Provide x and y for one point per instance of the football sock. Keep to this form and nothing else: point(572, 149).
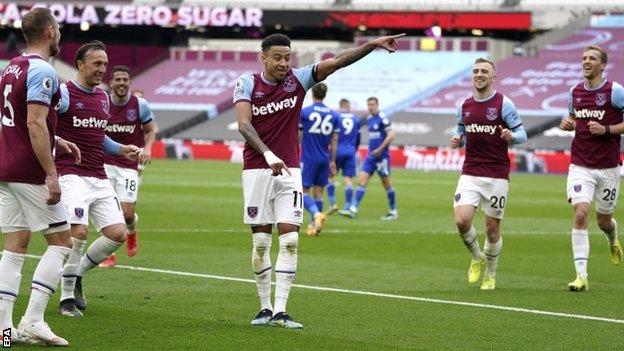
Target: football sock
point(348, 196)
point(261, 264)
point(359, 194)
point(391, 199)
point(285, 269)
point(331, 193)
point(71, 268)
point(492, 252)
point(45, 280)
point(97, 252)
point(310, 205)
point(580, 249)
point(612, 234)
point(10, 276)
point(319, 203)
point(472, 242)
point(132, 225)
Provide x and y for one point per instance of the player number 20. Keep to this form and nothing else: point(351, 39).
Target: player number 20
point(321, 125)
point(130, 185)
point(610, 194)
point(497, 202)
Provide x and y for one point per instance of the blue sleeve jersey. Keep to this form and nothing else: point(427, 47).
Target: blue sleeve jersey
point(318, 123)
point(378, 127)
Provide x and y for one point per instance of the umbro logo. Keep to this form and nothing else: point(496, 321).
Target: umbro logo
point(79, 105)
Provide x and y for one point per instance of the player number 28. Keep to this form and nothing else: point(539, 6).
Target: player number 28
point(610, 194)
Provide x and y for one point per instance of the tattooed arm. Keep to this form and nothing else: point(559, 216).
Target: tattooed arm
point(349, 56)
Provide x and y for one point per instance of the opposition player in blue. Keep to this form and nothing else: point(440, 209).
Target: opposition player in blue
point(348, 141)
point(380, 135)
point(319, 129)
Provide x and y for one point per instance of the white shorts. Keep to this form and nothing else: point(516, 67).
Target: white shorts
point(86, 197)
point(490, 193)
point(587, 184)
point(23, 207)
point(125, 182)
point(270, 200)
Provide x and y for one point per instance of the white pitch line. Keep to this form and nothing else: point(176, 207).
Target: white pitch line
point(375, 294)
point(343, 231)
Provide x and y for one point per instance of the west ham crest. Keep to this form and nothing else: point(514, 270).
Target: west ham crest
point(577, 188)
point(252, 211)
point(457, 197)
point(79, 212)
point(132, 115)
point(492, 113)
point(601, 99)
point(105, 106)
point(289, 84)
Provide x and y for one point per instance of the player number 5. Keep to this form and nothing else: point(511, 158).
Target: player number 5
point(8, 121)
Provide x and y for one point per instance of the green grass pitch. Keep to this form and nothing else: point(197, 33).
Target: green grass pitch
point(191, 221)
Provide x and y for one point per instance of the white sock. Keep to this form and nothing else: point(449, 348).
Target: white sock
point(492, 252)
point(130, 227)
point(45, 280)
point(261, 264)
point(71, 268)
point(285, 268)
point(580, 249)
point(612, 234)
point(471, 242)
point(10, 276)
point(97, 252)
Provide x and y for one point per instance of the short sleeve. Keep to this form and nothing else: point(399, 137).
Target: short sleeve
point(242, 89)
point(305, 76)
point(617, 96)
point(64, 101)
point(510, 114)
point(41, 82)
point(145, 112)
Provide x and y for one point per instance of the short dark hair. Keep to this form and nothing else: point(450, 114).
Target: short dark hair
point(34, 22)
point(373, 98)
point(604, 57)
point(84, 50)
point(343, 102)
point(276, 39)
point(319, 91)
point(484, 60)
point(121, 68)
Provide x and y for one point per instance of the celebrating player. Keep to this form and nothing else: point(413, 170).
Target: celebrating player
point(131, 122)
point(596, 106)
point(380, 135)
point(489, 122)
point(30, 194)
point(268, 105)
point(319, 128)
point(87, 192)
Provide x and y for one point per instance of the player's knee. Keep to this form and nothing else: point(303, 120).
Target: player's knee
point(492, 231)
point(129, 218)
point(463, 224)
point(580, 218)
point(79, 233)
point(289, 244)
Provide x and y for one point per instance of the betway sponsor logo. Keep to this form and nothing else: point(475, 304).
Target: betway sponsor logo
point(585, 113)
point(90, 122)
point(273, 107)
point(120, 128)
point(478, 128)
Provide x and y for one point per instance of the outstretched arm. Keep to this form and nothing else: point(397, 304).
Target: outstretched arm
point(349, 56)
